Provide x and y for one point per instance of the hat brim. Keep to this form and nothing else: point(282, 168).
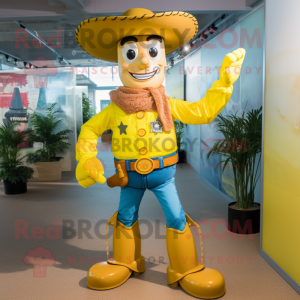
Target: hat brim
point(99, 36)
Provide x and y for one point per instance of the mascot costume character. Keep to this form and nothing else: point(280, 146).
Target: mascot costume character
point(144, 145)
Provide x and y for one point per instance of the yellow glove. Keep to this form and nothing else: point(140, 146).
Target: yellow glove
point(231, 66)
point(89, 171)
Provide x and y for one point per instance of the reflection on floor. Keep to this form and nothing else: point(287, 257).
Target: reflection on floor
point(73, 208)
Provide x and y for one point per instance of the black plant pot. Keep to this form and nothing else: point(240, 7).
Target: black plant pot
point(56, 158)
point(181, 157)
point(243, 221)
point(19, 187)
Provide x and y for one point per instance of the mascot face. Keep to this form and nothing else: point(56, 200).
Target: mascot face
point(142, 61)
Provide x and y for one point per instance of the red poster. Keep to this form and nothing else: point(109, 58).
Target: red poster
point(12, 79)
point(5, 100)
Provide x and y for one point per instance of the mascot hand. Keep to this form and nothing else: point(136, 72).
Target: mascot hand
point(89, 171)
point(231, 66)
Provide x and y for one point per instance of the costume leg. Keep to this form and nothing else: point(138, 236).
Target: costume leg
point(184, 268)
point(130, 200)
point(167, 196)
point(127, 256)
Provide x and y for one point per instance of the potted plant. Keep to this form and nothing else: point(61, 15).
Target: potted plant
point(87, 111)
point(179, 129)
point(12, 171)
point(53, 142)
point(241, 147)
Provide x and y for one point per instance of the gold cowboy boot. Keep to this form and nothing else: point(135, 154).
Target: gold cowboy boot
point(194, 278)
point(127, 258)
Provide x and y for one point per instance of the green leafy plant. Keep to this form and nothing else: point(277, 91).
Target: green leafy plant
point(46, 132)
point(241, 147)
point(179, 129)
point(11, 160)
point(87, 111)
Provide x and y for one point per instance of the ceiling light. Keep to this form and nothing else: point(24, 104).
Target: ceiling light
point(60, 59)
point(20, 64)
point(186, 47)
point(8, 58)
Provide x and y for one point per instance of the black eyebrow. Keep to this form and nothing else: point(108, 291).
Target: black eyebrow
point(154, 37)
point(128, 39)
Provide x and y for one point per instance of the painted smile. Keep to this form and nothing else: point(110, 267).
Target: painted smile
point(143, 76)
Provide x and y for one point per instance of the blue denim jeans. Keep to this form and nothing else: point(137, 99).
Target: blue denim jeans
point(162, 183)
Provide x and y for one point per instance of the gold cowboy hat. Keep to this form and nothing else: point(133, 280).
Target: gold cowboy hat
point(99, 36)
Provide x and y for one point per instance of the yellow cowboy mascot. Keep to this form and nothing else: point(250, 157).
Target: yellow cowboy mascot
point(144, 143)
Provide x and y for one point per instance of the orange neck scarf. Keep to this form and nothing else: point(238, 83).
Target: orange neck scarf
point(149, 99)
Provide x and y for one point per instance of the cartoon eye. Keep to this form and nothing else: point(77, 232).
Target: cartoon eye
point(130, 52)
point(154, 50)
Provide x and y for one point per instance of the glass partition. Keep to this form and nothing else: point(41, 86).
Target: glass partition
point(202, 69)
point(23, 92)
point(247, 92)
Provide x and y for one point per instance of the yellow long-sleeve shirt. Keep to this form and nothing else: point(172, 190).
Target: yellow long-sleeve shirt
point(132, 136)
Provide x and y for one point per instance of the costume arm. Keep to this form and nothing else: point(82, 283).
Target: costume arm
point(91, 131)
point(206, 109)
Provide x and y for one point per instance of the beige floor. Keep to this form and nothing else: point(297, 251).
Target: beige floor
point(251, 278)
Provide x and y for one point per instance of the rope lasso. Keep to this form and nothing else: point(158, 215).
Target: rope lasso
point(107, 251)
point(201, 243)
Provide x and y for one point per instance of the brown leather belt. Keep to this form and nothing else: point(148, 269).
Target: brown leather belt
point(146, 165)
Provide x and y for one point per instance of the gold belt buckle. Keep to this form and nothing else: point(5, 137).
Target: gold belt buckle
point(144, 165)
